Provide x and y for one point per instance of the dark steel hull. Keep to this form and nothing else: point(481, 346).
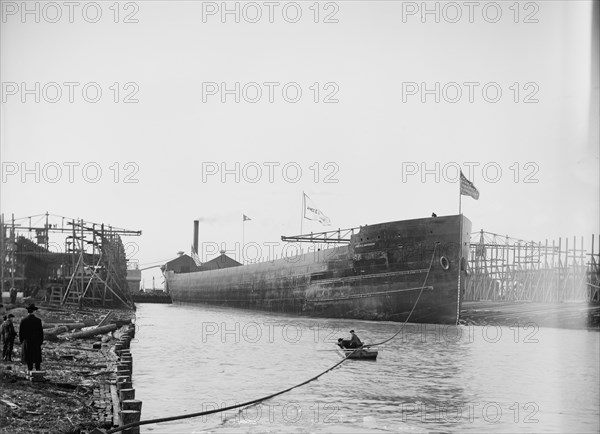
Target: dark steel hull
point(389, 271)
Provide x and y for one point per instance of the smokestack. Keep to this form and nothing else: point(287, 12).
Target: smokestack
point(196, 230)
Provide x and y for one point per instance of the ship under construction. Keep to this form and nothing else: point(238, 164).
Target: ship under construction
point(411, 270)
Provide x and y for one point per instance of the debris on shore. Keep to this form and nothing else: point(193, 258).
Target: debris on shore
point(78, 366)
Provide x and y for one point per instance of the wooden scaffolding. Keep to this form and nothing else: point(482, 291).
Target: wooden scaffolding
point(506, 269)
point(89, 268)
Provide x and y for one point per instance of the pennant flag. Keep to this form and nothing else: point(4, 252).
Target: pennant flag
point(195, 257)
point(311, 212)
point(246, 218)
point(467, 188)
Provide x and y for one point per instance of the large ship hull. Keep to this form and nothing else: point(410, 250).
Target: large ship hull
point(411, 269)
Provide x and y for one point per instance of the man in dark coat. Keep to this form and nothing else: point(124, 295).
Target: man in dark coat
point(354, 341)
point(13, 295)
point(8, 336)
point(31, 335)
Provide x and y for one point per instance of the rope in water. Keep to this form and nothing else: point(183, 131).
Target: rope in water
point(273, 395)
point(414, 305)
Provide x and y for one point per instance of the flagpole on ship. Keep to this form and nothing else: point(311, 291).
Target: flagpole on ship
point(460, 216)
point(459, 195)
point(302, 213)
point(302, 216)
point(243, 237)
point(460, 244)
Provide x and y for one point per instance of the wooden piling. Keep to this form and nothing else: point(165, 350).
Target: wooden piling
point(125, 366)
point(132, 404)
point(125, 394)
point(124, 385)
point(130, 416)
point(124, 373)
point(123, 378)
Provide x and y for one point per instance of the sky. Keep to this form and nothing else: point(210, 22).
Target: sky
point(147, 115)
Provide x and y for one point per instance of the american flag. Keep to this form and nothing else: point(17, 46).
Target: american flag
point(467, 188)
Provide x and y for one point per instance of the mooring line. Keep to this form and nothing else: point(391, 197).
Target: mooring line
point(414, 305)
point(273, 395)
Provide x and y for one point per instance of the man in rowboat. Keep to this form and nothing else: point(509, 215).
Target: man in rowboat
point(354, 341)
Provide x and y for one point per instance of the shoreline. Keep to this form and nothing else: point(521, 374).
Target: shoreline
point(73, 392)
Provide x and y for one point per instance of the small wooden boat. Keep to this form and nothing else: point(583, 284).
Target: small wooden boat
point(360, 353)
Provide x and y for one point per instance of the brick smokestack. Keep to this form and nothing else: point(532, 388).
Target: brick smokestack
point(196, 231)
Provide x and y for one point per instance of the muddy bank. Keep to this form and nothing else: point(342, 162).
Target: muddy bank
point(74, 394)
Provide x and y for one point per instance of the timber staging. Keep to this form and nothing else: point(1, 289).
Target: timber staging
point(549, 284)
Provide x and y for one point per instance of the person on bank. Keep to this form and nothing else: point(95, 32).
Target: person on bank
point(354, 341)
point(31, 335)
point(13, 295)
point(8, 337)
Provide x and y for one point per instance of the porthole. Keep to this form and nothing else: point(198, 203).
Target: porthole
point(445, 263)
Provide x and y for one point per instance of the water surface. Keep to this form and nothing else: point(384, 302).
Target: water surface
point(430, 378)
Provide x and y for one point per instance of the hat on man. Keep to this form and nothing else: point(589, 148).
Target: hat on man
point(31, 308)
point(351, 331)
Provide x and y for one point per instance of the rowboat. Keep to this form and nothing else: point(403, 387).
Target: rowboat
point(360, 353)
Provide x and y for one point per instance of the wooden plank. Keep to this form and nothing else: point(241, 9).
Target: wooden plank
point(93, 332)
point(105, 319)
point(12, 405)
point(115, 405)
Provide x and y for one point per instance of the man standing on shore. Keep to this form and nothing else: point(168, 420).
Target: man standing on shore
point(8, 336)
point(13, 295)
point(31, 335)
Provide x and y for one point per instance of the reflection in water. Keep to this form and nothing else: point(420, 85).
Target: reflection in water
point(431, 378)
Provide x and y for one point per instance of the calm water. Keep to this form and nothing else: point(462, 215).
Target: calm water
point(430, 379)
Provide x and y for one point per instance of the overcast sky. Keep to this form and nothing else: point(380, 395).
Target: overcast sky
point(356, 139)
